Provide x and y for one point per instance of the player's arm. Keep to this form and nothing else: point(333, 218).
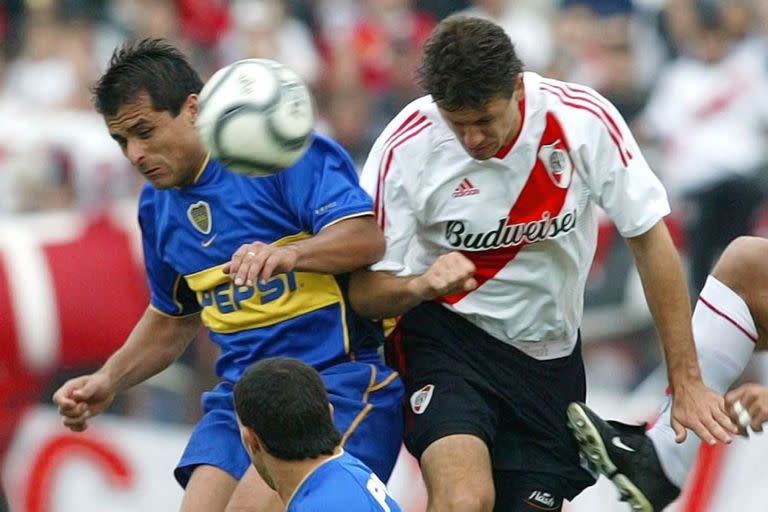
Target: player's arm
point(381, 294)
point(155, 342)
point(633, 197)
point(340, 247)
point(324, 194)
point(697, 407)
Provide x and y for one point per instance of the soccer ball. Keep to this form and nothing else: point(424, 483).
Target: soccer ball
point(256, 116)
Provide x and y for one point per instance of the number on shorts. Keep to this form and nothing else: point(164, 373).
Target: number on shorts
point(379, 491)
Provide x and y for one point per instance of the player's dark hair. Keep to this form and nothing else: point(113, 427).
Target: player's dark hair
point(151, 65)
point(285, 403)
point(467, 61)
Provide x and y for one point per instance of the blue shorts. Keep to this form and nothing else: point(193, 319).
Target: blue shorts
point(367, 404)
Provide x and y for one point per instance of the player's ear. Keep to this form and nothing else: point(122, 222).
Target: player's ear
point(191, 107)
point(251, 441)
point(519, 91)
point(330, 408)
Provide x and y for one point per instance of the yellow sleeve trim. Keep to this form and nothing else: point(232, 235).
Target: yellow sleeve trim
point(347, 217)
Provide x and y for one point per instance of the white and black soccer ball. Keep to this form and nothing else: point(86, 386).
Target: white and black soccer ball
point(256, 116)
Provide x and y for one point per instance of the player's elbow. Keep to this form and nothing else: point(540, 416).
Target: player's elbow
point(377, 247)
point(370, 244)
point(360, 242)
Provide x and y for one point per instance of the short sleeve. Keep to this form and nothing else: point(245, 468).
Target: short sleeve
point(323, 188)
point(619, 178)
point(383, 178)
point(169, 293)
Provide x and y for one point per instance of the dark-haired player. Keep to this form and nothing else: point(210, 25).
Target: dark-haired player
point(260, 262)
point(286, 424)
point(488, 190)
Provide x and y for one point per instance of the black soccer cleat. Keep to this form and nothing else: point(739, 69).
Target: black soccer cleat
point(625, 455)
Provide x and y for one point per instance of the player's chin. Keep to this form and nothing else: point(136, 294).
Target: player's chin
point(162, 182)
point(482, 153)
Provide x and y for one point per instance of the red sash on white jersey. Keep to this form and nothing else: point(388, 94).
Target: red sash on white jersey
point(543, 192)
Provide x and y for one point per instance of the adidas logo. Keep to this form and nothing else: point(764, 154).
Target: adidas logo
point(465, 188)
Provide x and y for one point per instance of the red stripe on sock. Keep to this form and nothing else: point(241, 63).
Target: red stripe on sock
point(731, 320)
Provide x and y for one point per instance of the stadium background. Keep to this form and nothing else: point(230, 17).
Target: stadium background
point(688, 75)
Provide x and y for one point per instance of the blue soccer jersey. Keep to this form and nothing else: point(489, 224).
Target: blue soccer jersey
point(191, 232)
point(343, 484)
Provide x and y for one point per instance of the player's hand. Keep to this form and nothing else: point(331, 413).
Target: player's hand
point(260, 260)
point(753, 399)
point(82, 398)
point(701, 409)
point(450, 273)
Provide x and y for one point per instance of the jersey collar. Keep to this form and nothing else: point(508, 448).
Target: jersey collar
point(202, 169)
point(303, 480)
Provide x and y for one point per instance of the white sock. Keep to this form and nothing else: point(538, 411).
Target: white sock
point(725, 335)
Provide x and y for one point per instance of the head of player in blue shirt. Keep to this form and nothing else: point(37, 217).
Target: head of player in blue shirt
point(473, 74)
point(284, 415)
point(149, 99)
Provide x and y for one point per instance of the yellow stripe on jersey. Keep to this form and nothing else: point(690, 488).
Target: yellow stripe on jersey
point(228, 308)
point(304, 235)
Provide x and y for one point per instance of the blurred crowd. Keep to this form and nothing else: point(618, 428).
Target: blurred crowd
point(689, 76)
point(686, 73)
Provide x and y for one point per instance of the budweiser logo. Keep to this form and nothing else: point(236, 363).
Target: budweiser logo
point(509, 235)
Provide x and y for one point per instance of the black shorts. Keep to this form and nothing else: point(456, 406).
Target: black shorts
point(461, 380)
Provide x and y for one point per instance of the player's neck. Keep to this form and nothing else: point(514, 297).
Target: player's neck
point(289, 475)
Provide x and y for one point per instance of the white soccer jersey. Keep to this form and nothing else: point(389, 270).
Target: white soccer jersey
point(526, 218)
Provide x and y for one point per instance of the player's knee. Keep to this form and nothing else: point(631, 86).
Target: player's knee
point(743, 265)
point(463, 498)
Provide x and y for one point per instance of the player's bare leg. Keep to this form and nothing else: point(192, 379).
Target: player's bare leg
point(208, 490)
point(743, 267)
point(458, 476)
point(730, 320)
point(253, 494)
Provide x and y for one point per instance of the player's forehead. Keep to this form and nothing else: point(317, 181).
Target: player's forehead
point(130, 114)
point(493, 108)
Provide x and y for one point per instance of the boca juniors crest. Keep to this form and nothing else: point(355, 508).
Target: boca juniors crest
point(199, 215)
point(557, 162)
